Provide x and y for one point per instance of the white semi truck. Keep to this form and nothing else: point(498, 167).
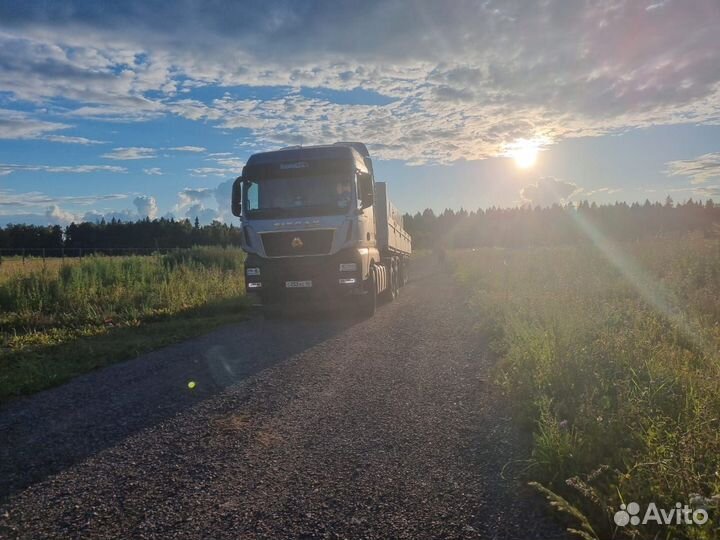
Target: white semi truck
point(318, 228)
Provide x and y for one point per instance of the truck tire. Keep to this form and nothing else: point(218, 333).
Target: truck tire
point(405, 272)
point(368, 301)
point(390, 293)
point(395, 279)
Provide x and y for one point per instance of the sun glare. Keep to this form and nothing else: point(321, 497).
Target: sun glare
point(524, 152)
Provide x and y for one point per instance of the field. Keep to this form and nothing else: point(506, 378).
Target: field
point(610, 356)
point(60, 318)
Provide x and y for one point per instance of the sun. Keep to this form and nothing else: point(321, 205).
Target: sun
point(524, 152)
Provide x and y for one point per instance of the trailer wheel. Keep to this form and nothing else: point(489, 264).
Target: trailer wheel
point(396, 277)
point(368, 301)
point(405, 266)
point(391, 291)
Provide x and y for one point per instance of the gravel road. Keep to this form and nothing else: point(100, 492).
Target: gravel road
point(314, 427)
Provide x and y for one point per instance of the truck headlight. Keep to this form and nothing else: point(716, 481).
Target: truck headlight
point(254, 285)
point(348, 267)
point(252, 271)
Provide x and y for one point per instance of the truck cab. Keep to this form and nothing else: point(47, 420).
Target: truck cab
point(309, 218)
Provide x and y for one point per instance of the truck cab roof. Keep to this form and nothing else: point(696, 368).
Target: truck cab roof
point(338, 151)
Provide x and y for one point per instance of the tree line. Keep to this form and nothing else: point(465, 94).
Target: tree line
point(570, 224)
point(145, 234)
point(502, 227)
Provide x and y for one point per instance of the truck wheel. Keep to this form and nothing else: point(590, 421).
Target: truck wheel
point(368, 301)
point(395, 281)
point(391, 293)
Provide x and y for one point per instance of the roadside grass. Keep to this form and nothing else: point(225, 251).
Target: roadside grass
point(610, 356)
point(58, 320)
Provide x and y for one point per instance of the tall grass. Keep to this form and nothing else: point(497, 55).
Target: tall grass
point(612, 359)
point(45, 304)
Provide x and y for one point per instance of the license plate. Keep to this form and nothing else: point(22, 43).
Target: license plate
point(298, 284)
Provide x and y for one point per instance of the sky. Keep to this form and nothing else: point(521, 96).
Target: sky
point(148, 109)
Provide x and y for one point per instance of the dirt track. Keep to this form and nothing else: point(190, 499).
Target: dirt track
point(320, 428)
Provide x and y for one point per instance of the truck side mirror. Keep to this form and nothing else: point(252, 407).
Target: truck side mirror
point(365, 189)
point(236, 205)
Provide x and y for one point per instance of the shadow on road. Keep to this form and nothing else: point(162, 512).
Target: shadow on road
point(54, 429)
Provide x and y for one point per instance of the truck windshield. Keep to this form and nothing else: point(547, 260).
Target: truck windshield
point(303, 196)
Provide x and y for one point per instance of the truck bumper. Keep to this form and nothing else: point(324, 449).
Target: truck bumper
point(328, 284)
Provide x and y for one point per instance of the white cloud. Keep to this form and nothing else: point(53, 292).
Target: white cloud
point(699, 170)
point(72, 140)
point(7, 168)
point(55, 214)
point(548, 191)
point(192, 203)
point(463, 80)
point(19, 125)
point(194, 149)
point(212, 171)
point(130, 153)
point(146, 206)
point(36, 199)
point(95, 216)
point(153, 171)
point(602, 190)
point(203, 214)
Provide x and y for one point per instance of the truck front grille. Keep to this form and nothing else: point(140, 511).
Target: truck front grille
point(295, 243)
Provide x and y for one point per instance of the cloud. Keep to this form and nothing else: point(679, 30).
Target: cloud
point(699, 170)
point(195, 149)
point(548, 191)
point(656, 5)
point(7, 168)
point(203, 214)
point(19, 125)
point(72, 140)
point(602, 190)
point(95, 216)
point(130, 153)
point(146, 206)
point(229, 166)
point(153, 171)
point(223, 198)
point(189, 196)
point(460, 82)
point(211, 171)
point(55, 214)
point(192, 202)
point(42, 209)
point(34, 199)
point(38, 208)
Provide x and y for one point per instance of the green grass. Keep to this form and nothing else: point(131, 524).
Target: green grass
point(610, 357)
point(61, 319)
